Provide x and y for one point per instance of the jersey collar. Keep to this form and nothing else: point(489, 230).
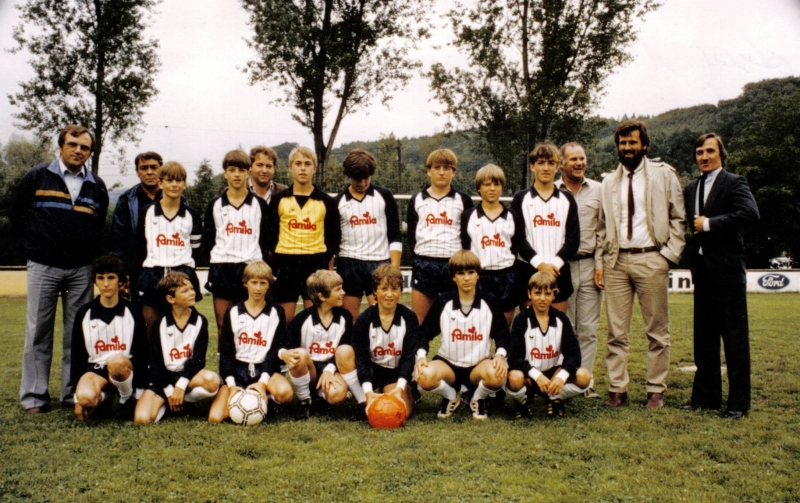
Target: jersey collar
point(348, 196)
point(375, 317)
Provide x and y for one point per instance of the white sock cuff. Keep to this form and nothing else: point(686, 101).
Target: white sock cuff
point(445, 390)
point(125, 388)
point(481, 392)
point(300, 385)
point(199, 393)
point(517, 396)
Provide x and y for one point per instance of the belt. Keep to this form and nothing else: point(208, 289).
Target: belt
point(634, 251)
point(581, 257)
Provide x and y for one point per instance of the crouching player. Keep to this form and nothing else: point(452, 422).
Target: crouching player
point(385, 338)
point(252, 333)
point(545, 355)
point(177, 354)
point(108, 342)
point(468, 321)
point(318, 344)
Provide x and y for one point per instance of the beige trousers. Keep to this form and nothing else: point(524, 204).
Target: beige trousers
point(646, 275)
point(584, 309)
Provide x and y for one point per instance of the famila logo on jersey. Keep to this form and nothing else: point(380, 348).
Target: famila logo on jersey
point(175, 240)
point(442, 219)
point(177, 354)
point(366, 220)
point(255, 340)
point(242, 228)
point(318, 349)
point(548, 353)
point(550, 221)
point(113, 345)
point(388, 351)
point(305, 224)
point(495, 240)
point(471, 335)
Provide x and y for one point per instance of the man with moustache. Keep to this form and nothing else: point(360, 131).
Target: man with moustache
point(586, 266)
point(60, 208)
point(718, 206)
point(128, 212)
point(262, 169)
point(645, 221)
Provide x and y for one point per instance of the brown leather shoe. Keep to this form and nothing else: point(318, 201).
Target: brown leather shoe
point(616, 399)
point(655, 400)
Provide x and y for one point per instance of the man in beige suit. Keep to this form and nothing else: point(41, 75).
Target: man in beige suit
point(645, 220)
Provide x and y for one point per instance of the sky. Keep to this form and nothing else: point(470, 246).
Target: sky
point(688, 52)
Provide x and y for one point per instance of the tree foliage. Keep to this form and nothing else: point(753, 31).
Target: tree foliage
point(536, 69)
point(332, 57)
point(92, 66)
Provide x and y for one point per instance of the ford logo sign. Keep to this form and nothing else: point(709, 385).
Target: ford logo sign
point(773, 281)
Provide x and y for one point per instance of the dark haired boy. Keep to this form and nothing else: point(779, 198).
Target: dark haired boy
point(178, 347)
point(468, 320)
point(108, 344)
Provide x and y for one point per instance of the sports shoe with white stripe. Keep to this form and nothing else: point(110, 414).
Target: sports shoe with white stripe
point(478, 409)
point(447, 407)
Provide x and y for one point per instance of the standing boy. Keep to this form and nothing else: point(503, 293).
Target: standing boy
point(370, 229)
point(108, 344)
point(303, 230)
point(434, 230)
point(468, 321)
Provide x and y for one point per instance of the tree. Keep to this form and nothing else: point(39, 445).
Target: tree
point(206, 187)
point(334, 56)
point(768, 154)
point(91, 65)
point(536, 70)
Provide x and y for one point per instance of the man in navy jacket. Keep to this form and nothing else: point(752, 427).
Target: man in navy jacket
point(718, 206)
point(60, 209)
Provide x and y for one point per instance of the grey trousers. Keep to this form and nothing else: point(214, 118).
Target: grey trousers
point(45, 285)
point(584, 309)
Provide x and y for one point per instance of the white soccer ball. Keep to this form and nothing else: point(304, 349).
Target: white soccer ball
point(247, 407)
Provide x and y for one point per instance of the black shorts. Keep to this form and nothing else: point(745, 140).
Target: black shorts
point(241, 375)
point(225, 281)
point(431, 276)
point(564, 281)
point(320, 366)
point(291, 273)
point(158, 387)
point(549, 373)
point(148, 284)
point(462, 373)
point(102, 372)
point(357, 275)
point(383, 376)
point(502, 284)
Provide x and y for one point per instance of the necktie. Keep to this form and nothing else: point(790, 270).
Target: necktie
point(631, 208)
point(701, 199)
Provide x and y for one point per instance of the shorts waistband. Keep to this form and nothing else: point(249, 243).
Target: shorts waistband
point(635, 251)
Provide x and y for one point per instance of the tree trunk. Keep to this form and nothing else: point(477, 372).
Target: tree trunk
point(99, 81)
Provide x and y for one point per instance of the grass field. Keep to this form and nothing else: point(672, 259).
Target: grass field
point(594, 454)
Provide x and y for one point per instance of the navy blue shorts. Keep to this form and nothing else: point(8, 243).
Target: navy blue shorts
point(564, 282)
point(94, 369)
point(431, 276)
point(462, 373)
point(383, 376)
point(225, 281)
point(357, 275)
point(502, 284)
point(291, 273)
point(241, 375)
point(320, 366)
point(148, 284)
point(158, 387)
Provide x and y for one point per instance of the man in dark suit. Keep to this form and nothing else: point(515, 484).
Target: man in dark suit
point(718, 205)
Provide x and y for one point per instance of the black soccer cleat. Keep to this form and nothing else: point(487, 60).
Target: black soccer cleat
point(522, 409)
point(360, 414)
point(555, 409)
point(126, 410)
point(447, 407)
point(303, 410)
point(478, 408)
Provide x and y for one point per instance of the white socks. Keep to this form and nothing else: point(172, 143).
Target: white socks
point(125, 388)
point(197, 394)
point(300, 387)
point(518, 396)
point(351, 378)
point(481, 392)
point(445, 390)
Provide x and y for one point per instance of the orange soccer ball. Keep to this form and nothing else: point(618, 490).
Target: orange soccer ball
point(387, 411)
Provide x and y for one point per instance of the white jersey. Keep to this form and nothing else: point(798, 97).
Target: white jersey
point(236, 235)
point(370, 227)
point(466, 338)
point(434, 225)
point(543, 350)
point(551, 226)
point(253, 337)
point(104, 338)
point(177, 346)
point(307, 331)
point(495, 242)
point(171, 242)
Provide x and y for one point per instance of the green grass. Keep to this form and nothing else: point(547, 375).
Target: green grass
point(594, 454)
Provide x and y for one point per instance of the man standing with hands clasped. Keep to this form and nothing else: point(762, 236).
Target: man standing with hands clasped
point(644, 216)
point(718, 206)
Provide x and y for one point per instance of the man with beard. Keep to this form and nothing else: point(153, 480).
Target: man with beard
point(262, 169)
point(644, 235)
point(128, 212)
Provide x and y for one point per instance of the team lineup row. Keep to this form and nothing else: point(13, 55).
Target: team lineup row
point(584, 235)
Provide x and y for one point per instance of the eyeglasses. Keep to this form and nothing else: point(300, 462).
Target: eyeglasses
point(148, 167)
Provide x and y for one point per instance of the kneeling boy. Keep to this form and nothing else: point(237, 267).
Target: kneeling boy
point(178, 346)
point(468, 321)
point(252, 333)
point(108, 342)
point(544, 353)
